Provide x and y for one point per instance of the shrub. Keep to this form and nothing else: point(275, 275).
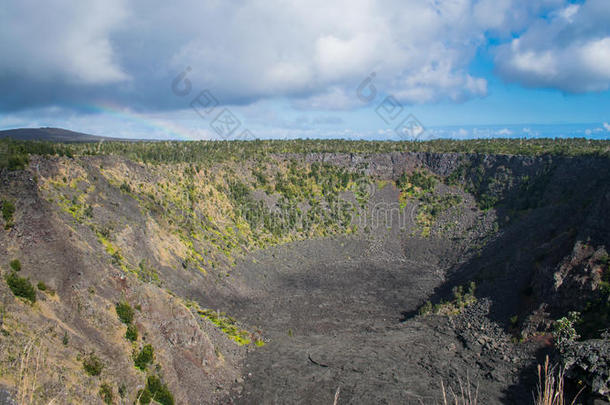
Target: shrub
point(42, 286)
point(461, 300)
point(93, 365)
point(8, 209)
point(15, 264)
point(159, 391)
point(132, 333)
point(145, 357)
point(125, 312)
point(563, 329)
point(106, 393)
point(21, 287)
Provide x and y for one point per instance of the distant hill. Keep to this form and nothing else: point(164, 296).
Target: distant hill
point(53, 135)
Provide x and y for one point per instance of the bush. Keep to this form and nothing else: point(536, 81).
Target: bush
point(125, 312)
point(145, 357)
point(106, 393)
point(21, 287)
point(159, 391)
point(8, 209)
point(564, 331)
point(132, 333)
point(93, 365)
point(42, 286)
point(15, 264)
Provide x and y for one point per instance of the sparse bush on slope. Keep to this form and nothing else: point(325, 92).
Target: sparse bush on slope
point(21, 287)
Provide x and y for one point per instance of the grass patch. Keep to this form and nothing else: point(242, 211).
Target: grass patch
point(228, 325)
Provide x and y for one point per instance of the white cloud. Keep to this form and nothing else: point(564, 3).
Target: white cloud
point(314, 52)
point(569, 51)
point(607, 126)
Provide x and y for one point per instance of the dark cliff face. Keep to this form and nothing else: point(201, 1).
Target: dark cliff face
point(533, 233)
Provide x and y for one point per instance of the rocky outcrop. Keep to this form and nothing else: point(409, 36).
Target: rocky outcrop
point(589, 362)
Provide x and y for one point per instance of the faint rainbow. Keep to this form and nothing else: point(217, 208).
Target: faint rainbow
point(170, 130)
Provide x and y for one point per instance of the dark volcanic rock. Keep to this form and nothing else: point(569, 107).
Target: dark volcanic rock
point(589, 361)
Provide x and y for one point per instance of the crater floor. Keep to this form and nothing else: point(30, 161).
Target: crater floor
point(333, 311)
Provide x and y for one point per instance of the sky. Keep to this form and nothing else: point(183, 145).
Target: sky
point(357, 69)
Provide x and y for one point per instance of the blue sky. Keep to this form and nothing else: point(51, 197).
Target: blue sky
point(277, 69)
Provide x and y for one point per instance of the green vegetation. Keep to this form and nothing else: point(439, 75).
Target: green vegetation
point(15, 264)
point(145, 396)
point(14, 154)
point(21, 287)
point(461, 299)
point(156, 391)
point(421, 185)
point(106, 393)
point(42, 286)
point(8, 209)
point(564, 330)
point(217, 151)
point(131, 333)
point(229, 326)
point(144, 357)
point(93, 365)
point(124, 312)
point(417, 183)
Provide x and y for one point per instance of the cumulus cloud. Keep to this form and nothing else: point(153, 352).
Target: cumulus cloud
point(569, 50)
point(313, 53)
